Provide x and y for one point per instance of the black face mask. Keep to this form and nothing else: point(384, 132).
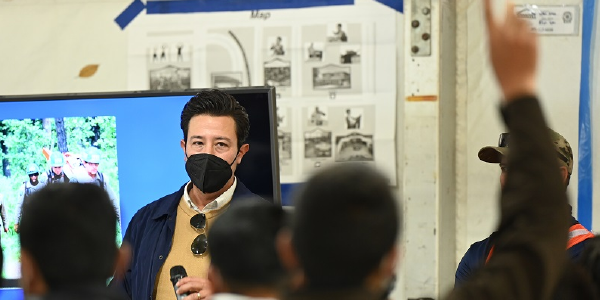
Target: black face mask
point(208, 172)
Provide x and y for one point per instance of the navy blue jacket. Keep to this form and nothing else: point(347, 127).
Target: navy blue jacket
point(150, 235)
point(477, 254)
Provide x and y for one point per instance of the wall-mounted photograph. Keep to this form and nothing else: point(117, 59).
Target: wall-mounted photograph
point(278, 72)
point(337, 32)
point(226, 79)
point(349, 54)
point(354, 147)
point(317, 143)
point(314, 52)
point(332, 77)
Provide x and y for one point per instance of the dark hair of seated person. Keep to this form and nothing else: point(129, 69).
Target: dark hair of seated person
point(69, 229)
point(345, 222)
point(242, 246)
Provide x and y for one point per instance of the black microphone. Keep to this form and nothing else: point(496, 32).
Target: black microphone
point(177, 273)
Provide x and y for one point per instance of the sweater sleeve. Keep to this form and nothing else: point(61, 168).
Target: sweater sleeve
point(529, 250)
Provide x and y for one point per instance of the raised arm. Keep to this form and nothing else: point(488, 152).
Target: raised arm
point(530, 247)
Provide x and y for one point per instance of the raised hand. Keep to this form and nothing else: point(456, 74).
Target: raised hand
point(513, 52)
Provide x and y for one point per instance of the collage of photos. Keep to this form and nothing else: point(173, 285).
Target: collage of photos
point(169, 66)
point(337, 134)
point(38, 152)
point(317, 67)
point(332, 58)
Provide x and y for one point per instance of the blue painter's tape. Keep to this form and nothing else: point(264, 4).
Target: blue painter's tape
point(191, 6)
point(397, 5)
point(134, 9)
point(585, 179)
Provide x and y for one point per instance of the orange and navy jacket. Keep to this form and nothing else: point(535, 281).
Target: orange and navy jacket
point(480, 252)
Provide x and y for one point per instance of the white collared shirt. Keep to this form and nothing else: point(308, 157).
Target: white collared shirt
point(219, 202)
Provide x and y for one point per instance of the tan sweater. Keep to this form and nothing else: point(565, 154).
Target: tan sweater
point(181, 254)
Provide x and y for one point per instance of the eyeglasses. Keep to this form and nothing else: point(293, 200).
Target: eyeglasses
point(503, 140)
point(34, 174)
point(200, 243)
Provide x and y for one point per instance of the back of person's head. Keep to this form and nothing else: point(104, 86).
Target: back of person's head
point(216, 103)
point(69, 231)
point(345, 223)
point(242, 246)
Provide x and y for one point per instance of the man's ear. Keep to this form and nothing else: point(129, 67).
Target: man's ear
point(289, 259)
point(243, 150)
point(32, 281)
point(390, 261)
point(122, 261)
point(215, 278)
point(381, 277)
point(564, 174)
point(182, 145)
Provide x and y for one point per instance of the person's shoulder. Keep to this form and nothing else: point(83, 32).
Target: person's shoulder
point(156, 206)
point(477, 249)
point(242, 193)
point(575, 251)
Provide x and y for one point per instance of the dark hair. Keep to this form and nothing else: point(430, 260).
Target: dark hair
point(590, 260)
point(575, 283)
point(216, 103)
point(70, 231)
point(242, 245)
point(345, 222)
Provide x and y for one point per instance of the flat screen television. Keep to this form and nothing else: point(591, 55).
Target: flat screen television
point(137, 136)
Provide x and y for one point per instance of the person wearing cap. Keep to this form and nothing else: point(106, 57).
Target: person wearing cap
point(3, 215)
point(91, 162)
point(56, 174)
point(29, 187)
point(480, 252)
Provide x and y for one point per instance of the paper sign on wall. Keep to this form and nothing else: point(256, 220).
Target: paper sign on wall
point(551, 20)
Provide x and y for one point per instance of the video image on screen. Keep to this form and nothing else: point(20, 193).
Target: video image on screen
point(38, 152)
point(133, 140)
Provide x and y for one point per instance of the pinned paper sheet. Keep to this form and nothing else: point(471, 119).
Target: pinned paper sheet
point(551, 19)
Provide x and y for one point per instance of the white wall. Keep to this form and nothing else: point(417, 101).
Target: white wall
point(44, 44)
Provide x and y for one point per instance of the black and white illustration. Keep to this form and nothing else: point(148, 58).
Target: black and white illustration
point(226, 80)
point(285, 147)
point(284, 136)
point(276, 49)
point(334, 66)
point(354, 147)
point(331, 77)
point(317, 116)
point(169, 66)
point(277, 45)
point(337, 33)
point(313, 52)
point(317, 143)
point(353, 118)
point(283, 119)
point(229, 53)
point(278, 72)
point(349, 54)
